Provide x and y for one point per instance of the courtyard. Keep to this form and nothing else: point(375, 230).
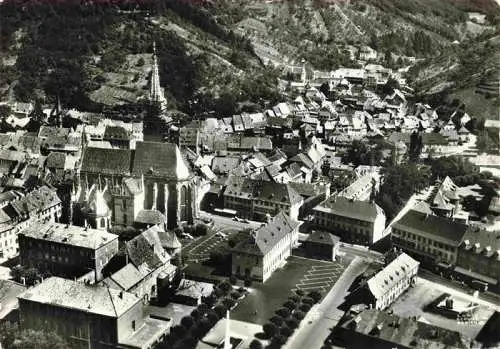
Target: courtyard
point(298, 273)
point(414, 300)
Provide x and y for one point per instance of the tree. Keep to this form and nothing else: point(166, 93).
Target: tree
point(256, 344)
point(270, 329)
point(308, 300)
point(221, 310)
point(196, 314)
point(33, 339)
point(277, 320)
point(290, 305)
point(140, 62)
point(305, 307)
point(315, 295)
point(228, 302)
point(389, 87)
point(283, 312)
point(292, 323)
point(187, 322)
point(201, 230)
point(299, 315)
point(233, 280)
point(416, 146)
point(213, 317)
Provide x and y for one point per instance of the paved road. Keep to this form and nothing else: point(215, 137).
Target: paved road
point(315, 327)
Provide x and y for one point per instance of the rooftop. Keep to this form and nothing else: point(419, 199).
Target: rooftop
point(71, 294)
point(159, 160)
point(435, 226)
point(107, 161)
point(391, 275)
point(69, 235)
point(356, 209)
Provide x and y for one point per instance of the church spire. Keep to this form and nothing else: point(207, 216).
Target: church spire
point(155, 91)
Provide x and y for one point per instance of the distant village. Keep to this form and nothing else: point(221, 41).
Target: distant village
point(105, 221)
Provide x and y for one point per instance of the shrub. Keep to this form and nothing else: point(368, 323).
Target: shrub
point(189, 343)
point(233, 280)
point(178, 232)
point(189, 229)
point(225, 287)
point(290, 305)
point(315, 296)
point(294, 298)
point(196, 314)
point(270, 329)
point(220, 310)
point(178, 331)
point(235, 295)
point(277, 320)
point(212, 317)
point(187, 322)
point(307, 300)
point(305, 307)
point(292, 323)
point(256, 344)
point(228, 302)
point(299, 315)
point(140, 62)
point(283, 312)
point(248, 282)
point(200, 230)
point(278, 340)
point(242, 290)
point(286, 331)
point(202, 327)
point(203, 308)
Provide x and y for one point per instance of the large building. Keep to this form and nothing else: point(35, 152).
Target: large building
point(90, 316)
point(257, 199)
point(40, 205)
point(428, 238)
point(154, 176)
point(479, 256)
point(266, 249)
point(148, 270)
point(67, 250)
point(353, 220)
point(389, 283)
point(379, 329)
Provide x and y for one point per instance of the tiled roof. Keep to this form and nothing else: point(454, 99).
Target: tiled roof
point(55, 160)
point(266, 237)
point(323, 238)
point(340, 206)
point(261, 190)
point(435, 226)
point(391, 275)
point(150, 217)
point(37, 200)
point(69, 235)
point(116, 132)
point(159, 160)
point(64, 293)
point(146, 249)
point(107, 161)
point(409, 333)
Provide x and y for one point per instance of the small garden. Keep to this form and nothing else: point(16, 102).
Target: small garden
point(286, 319)
point(195, 326)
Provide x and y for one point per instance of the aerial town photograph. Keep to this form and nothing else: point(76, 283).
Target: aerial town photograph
point(249, 174)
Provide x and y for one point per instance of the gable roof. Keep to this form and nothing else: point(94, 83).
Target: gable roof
point(391, 275)
point(107, 161)
point(267, 236)
point(435, 226)
point(343, 207)
point(159, 160)
point(93, 299)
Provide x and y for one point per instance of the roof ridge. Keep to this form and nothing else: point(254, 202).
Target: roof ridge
point(112, 301)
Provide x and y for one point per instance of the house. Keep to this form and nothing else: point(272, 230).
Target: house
point(266, 249)
point(90, 316)
point(479, 257)
point(373, 328)
point(353, 220)
point(321, 245)
point(389, 283)
point(9, 291)
point(148, 271)
point(444, 198)
point(66, 250)
point(361, 189)
point(428, 238)
point(40, 205)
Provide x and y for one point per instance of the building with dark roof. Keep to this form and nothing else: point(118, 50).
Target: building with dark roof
point(321, 245)
point(353, 220)
point(428, 237)
point(266, 249)
point(90, 316)
point(66, 250)
point(167, 183)
point(378, 329)
point(479, 256)
point(258, 199)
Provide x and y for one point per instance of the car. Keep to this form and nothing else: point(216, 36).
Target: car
point(245, 221)
point(221, 234)
point(236, 219)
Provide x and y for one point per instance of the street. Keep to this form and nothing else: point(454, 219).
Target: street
point(315, 327)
